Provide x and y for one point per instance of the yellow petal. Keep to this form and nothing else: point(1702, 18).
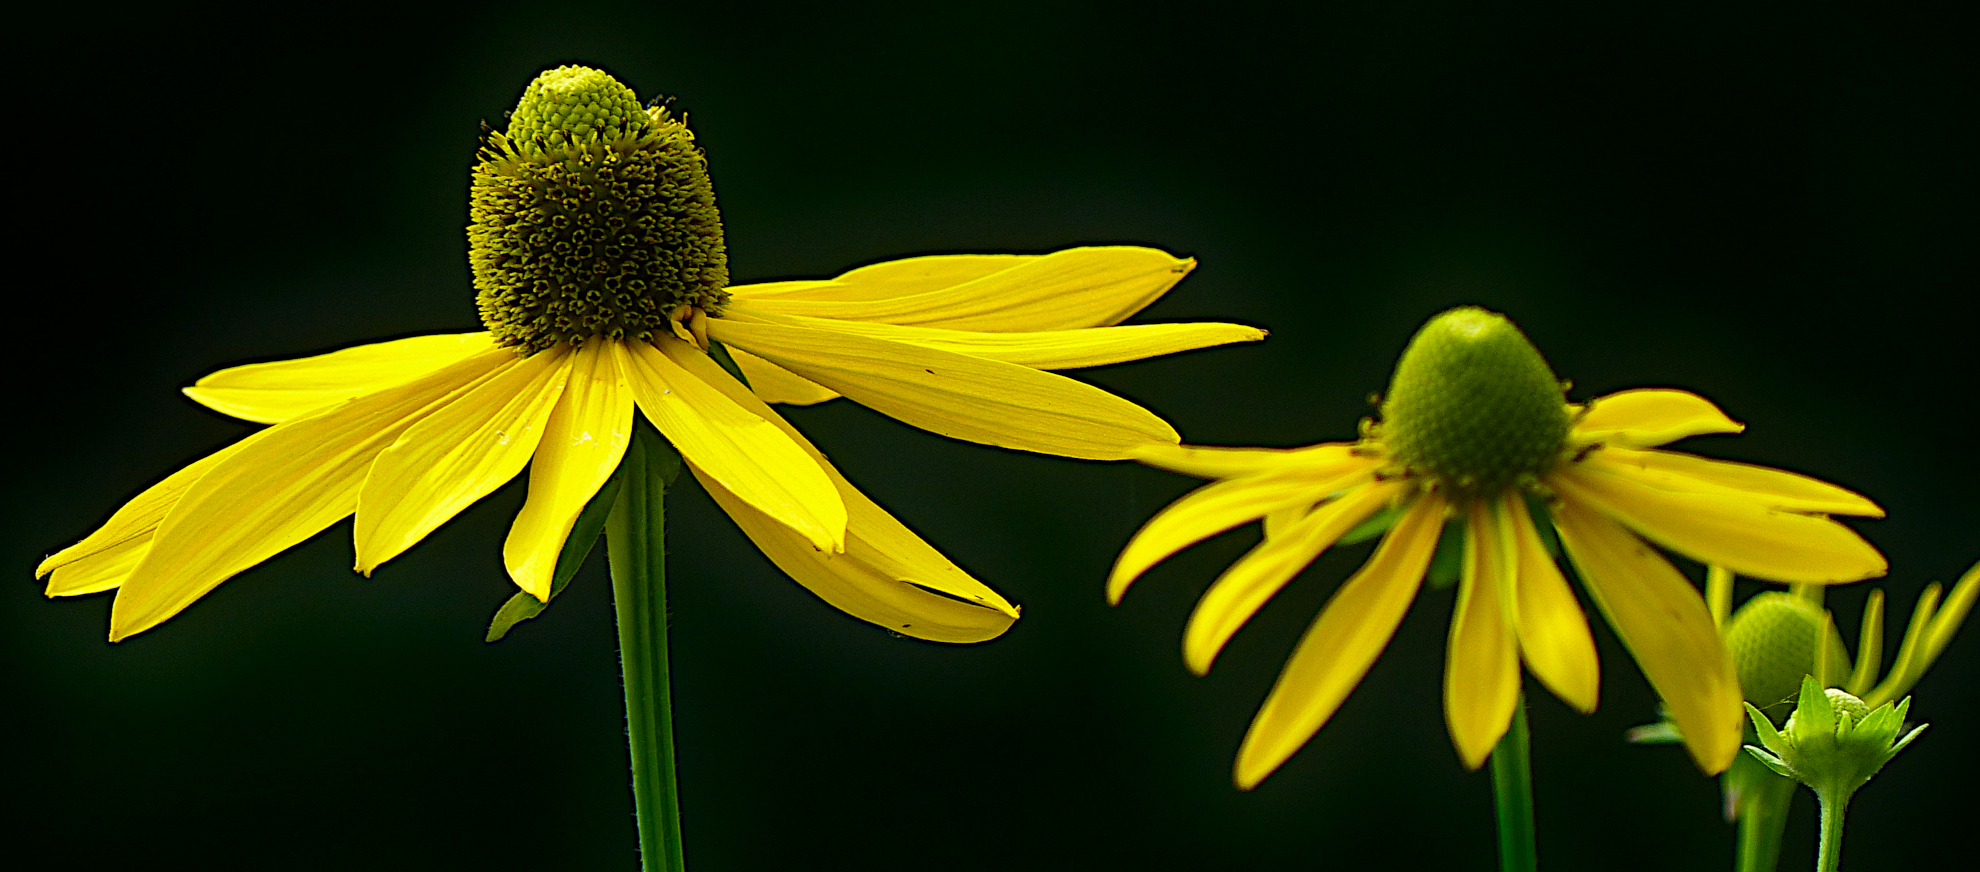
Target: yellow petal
point(1735, 532)
point(1677, 471)
point(887, 575)
point(1212, 509)
point(101, 571)
point(583, 442)
point(776, 384)
point(455, 456)
point(1646, 417)
point(1259, 575)
point(1553, 632)
point(1077, 287)
point(1663, 622)
point(138, 519)
point(281, 487)
point(750, 457)
point(1280, 520)
point(1341, 644)
point(1041, 349)
point(954, 395)
point(1481, 659)
point(1312, 461)
point(905, 591)
point(280, 390)
point(895, 278)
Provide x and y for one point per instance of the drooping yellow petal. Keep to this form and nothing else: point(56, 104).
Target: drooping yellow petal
point(1256, 577)
point(1077, 287)
point(1280, 520)
point(138, 519)
point(1212, 509)
point(750, 457)
point(1042, 349)
point(1647, 417)
point(283, 389)
point(776, 384)
point(1481, 659)
point(1312, 461)
point(1553, 632)
point(1674, 470)
point(281, 487)
point(958, 396)
point(1663, 622)
point(101, 571)
point(455, 456)
point(887, 575)
point(583, 441)
point(1341, 644)
point(1735, 532)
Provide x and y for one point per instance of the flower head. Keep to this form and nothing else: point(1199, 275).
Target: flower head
point(1833, 742)
point(1475, 432)
point(602, 278)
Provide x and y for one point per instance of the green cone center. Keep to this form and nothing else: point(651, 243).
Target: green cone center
point(1472, 406)
point(591, 216)
point(1773, 639)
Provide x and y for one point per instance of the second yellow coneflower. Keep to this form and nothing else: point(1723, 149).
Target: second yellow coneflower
point(1475, 430)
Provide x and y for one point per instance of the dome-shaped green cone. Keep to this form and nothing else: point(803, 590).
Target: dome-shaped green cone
point(1773, 639)
point(591, 217)
point(1473, 406)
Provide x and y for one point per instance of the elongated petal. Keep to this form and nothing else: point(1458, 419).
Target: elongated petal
point(1481, 659)
point(905, 277)
point(1737, 533)
point(776, 384)
point(101, 571)
point(1210, 510)
point(958, 396)
point(750, 457)
point(1042, 349)
point(1312, 461)
point(1646, 417)
point(1663, 621)
point(284, 389)
point(1341, 644)
point(138, 519)
point(278, 489)
point(1263, 571)
point(1779, 489)
point(1553, 632)
point(1077, 287)
point(583, 442)
point(887, 575)
point(455, 456)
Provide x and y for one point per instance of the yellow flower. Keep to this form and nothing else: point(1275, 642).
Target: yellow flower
point(1474, 423)
point(601, 272)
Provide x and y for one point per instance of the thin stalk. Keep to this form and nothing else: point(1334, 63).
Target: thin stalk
point(1830, 853)
point(1512, 795)
point(1763, 819)
point(635, 540)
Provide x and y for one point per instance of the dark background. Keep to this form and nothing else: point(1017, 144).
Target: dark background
point(1771, 205)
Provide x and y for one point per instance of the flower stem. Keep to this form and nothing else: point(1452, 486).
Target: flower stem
point(1763, 818)
point(635, 540)
point(1512, 795)
point(1830, 854)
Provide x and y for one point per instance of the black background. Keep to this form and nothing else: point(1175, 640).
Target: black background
point(1769, 204)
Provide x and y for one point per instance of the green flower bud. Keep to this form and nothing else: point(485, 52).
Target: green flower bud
point(1833, 742)
point(1473, 407)
point(1773, 640)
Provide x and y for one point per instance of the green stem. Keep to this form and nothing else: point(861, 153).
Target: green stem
point(1763, 816)
point(635, 540)
point(1512, 795)
point(1830, 854)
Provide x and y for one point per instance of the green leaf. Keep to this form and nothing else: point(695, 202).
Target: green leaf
point(577, 546)
point(1376, 525)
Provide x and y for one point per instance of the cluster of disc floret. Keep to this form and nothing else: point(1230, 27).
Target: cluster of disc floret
point(1473, 408)
point(591, 216)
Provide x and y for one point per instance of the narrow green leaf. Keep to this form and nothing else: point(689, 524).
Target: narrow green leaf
point(577, 546)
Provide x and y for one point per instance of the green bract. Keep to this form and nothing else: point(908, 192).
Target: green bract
point(1473, 406)
point(591, 217)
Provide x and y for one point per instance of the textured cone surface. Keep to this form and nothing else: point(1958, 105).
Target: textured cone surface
point(1773, 640)
point(593, 217)
point(1473, 405)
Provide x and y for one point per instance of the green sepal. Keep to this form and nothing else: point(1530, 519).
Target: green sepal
point(1659, 733)
point(577, 546)
point(1770, 761)
point(1376, 525)
point(1448, 562)
point(728, 363)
